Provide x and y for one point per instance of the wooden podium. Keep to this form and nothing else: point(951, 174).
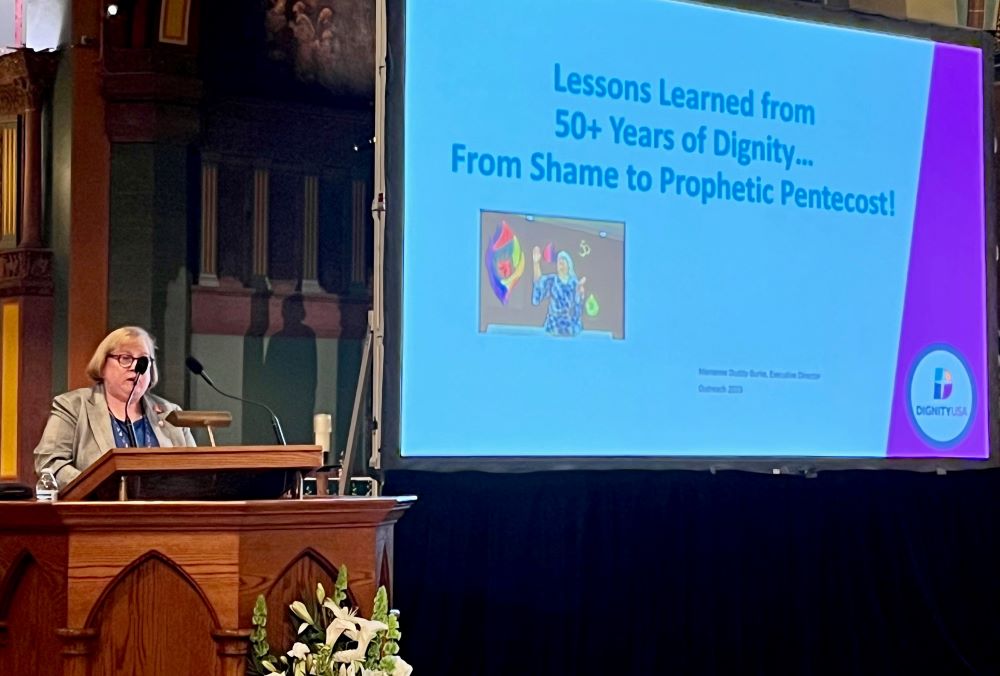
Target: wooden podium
point(95, 588)
point(202, 472)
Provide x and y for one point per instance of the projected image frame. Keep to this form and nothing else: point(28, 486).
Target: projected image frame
point(594, 285)
point(389, 420)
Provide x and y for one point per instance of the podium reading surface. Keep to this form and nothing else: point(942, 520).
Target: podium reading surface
point(203, 472)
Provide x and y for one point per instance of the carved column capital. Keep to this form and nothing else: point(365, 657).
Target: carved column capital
point(25, 272)
point(34, 96)
point(26, 77)
point(11, 99)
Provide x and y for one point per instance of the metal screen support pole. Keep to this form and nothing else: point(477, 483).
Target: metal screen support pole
point(345, 465)
point(377, 321)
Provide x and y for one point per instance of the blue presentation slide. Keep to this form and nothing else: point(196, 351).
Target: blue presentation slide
point(647, 228)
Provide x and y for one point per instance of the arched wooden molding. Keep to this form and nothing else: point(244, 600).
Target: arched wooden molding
point(9, 583)
point(143, 560)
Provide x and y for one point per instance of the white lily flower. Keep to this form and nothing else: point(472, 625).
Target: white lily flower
point(353, 655)
point(320, 592)
point(370, 626)
point(271, 669)
point(301, 611)
point(298, 651)
point(339, 611)
point(366, 631)
point(336, 628)
point(302, 627)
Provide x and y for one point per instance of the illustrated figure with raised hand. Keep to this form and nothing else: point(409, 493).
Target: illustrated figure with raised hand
point(564, 291)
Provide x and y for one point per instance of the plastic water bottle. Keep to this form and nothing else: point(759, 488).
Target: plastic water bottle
point(47, 488)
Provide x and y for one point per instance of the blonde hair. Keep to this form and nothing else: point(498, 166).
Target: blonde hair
point(112, 342)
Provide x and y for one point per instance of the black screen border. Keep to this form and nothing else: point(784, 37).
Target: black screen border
point(389, 424)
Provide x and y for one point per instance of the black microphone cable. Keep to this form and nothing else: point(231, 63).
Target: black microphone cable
point(196, 368)
point(141, 364)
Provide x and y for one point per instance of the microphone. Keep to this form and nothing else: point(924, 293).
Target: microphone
point(141, 364)
point(195, 367)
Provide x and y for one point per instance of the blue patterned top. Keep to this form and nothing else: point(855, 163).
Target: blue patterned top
point(565, 312)
point(144, 435)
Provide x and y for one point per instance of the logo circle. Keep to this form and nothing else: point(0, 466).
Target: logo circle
point(941, 396)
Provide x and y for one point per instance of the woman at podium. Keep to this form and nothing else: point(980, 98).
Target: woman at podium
point(116, 411)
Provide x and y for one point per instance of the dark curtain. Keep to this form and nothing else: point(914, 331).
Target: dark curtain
point(627, 572)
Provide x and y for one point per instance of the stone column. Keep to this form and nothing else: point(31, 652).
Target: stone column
point(26, 315)
point(10, 189)
point(261, 186)
point(310, 235)
point(359, 226)
point(208, 274)
point(31, 210)
point(26, 279)
point(26, 78)
point(976, 14)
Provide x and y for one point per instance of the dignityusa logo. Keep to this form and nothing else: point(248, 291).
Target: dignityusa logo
point(942, 396)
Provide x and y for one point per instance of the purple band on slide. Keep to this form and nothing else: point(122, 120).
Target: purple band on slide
point(946, 282)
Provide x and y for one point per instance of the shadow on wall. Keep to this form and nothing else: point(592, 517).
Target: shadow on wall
point(279, 371)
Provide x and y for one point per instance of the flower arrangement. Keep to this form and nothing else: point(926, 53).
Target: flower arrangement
point(332, 639)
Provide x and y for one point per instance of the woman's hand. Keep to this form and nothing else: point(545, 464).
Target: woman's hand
point(536, 255)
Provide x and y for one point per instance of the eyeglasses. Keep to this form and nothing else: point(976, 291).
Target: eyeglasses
point(126, 360)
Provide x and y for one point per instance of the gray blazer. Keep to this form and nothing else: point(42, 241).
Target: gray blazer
point(79, 431)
